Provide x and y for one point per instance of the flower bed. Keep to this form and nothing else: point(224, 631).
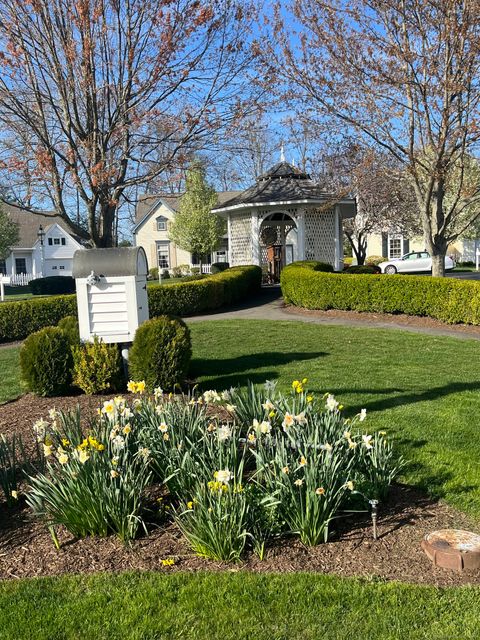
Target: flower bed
point(446, 299)
point(275, 465)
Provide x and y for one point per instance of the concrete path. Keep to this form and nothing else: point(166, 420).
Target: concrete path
point(269, 305)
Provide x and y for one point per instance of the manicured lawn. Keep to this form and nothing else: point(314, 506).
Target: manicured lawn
point(423, 390)
point(233, 606)
point(10, 386)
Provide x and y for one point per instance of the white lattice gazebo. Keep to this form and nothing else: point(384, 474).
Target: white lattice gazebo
point(285, 217)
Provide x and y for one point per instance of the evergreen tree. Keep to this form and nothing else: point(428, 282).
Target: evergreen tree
point(195, 228)
point(8, 234)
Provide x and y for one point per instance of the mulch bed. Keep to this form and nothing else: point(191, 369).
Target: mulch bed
point(27, 550)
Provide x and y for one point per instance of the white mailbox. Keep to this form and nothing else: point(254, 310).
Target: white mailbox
point(112, 296)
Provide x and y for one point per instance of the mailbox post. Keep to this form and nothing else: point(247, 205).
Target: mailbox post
point(112, 296)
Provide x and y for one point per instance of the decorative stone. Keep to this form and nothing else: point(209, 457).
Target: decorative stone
point(453, 549)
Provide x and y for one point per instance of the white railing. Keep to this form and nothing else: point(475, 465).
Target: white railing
point(206, 268)
point(21, 279)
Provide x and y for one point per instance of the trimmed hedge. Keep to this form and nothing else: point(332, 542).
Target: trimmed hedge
point(212, 292)
point(52, 285)
point(446, 299)
point(20, 319)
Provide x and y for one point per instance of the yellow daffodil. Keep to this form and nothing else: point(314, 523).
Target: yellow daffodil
point(298, 482)
point(190, 505)
point(141, 386)
point(168, 562)
point(14, 495)
point(303, 461)
point(320, 491)
point(63, 458)
point(83, 456)
point(126, 429)
point(47, 450)
point(131, 386)
point(114, 473)
point(286, 470)
point(309, 398)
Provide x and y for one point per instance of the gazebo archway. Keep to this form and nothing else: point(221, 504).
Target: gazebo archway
point(275, 250)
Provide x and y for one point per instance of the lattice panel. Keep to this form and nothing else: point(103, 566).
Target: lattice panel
point(241, 239)
point(320, 236)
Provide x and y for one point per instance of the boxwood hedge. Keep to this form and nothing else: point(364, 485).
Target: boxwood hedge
point(20, 319)
point(446, 299)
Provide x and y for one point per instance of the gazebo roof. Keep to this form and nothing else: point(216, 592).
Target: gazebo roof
point(281, 184)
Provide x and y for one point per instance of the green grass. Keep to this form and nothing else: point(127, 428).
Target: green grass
point(10, 387)
point(229, 606)
point(425, 390)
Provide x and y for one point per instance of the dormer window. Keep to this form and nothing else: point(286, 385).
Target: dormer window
point(161, 223)
point(57, 241)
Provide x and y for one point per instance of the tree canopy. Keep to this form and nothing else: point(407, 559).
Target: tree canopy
point(195, 228)
point(9, 234)
point(98, 97)
point(404, 76)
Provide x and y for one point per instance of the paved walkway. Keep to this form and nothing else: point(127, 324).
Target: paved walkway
point(269, 305)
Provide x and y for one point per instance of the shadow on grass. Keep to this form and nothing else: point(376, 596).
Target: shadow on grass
point(238, 371)
point(434, 393)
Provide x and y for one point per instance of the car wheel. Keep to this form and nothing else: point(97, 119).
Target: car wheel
point(390, 270)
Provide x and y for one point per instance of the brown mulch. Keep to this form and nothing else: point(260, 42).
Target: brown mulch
point(27, 550)
point(397, 320)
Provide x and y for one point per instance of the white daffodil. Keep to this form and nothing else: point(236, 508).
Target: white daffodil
point(223, 475)
point(331, 404)
point(224, 432)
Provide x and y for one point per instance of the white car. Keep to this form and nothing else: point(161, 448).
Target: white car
point(412, 263)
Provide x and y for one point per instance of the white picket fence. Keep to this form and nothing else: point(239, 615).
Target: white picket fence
point(206, 268)
point(21, 279)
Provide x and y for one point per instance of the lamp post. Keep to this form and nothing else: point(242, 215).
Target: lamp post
point(41, 237)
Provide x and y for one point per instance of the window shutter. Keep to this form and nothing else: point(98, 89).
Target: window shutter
point(406, 245)
point(385, 245)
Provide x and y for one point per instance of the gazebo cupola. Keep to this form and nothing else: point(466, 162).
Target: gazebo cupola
point(285, 217)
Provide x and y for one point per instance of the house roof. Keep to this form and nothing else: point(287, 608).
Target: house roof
point(148, 201)
point(281, 183)
point(29, 222)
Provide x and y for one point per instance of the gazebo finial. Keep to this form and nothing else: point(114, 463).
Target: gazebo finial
point(282, 153)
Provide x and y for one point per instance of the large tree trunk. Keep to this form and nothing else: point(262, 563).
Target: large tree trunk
point(438, 265)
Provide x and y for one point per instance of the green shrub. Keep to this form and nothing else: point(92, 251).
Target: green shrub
point(195, 271)
point(363, 268)
point(165, 274)
point(161, 352)
point(348, 261)
point(191, 297)
point(218, 267)
point(313, 264)
point(69, 326)
point(46, 362)
point(97, 367)
point(376, 260)
point(52, 285)
point(446, 299)
point(153, 273)
point(20, 319)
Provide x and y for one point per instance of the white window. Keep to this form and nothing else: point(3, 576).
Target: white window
point(395, 246)
point(222, 256)
point(54, 268)
point(61, 267)
point(57, 241)
point(20, 265)
point(163, 255)
point(161, 223)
